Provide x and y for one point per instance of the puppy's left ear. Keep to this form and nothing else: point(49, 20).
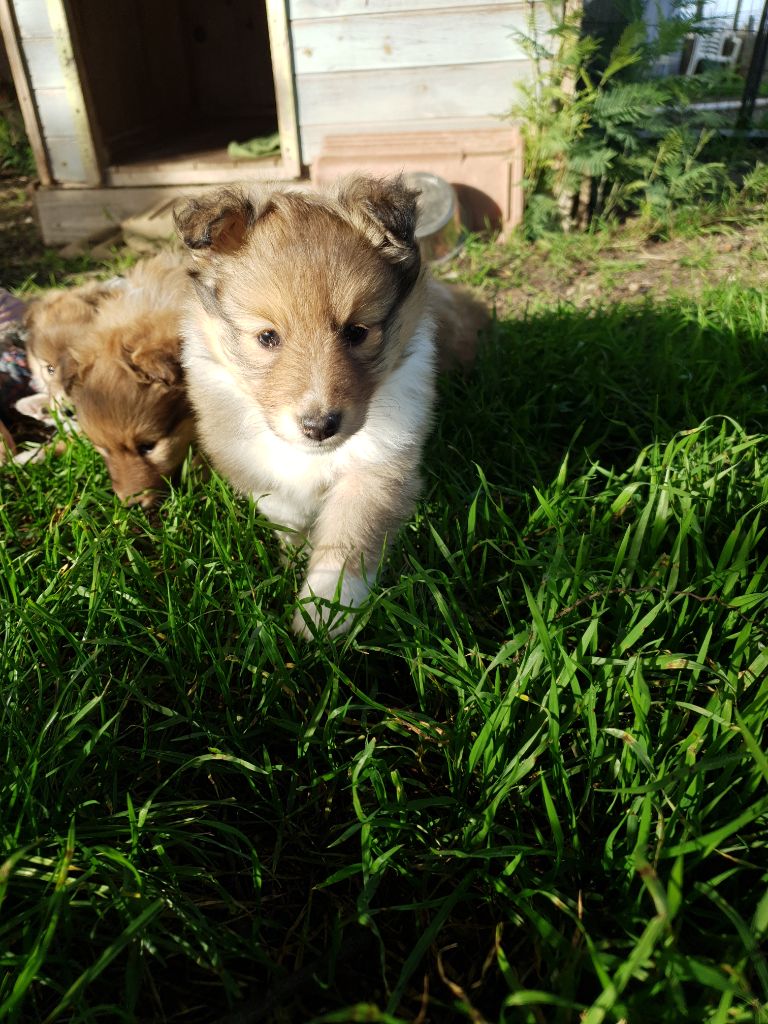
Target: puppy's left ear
point(390, 207)
point(155, 365)
point(216, 223)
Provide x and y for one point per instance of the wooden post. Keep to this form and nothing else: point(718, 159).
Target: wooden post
point(285, 88)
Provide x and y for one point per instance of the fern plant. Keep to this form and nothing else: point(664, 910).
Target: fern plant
point(602, 139)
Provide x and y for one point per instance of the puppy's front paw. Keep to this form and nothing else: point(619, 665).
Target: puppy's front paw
point(323, 605)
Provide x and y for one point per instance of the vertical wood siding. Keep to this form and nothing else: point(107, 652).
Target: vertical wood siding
point(53, 102)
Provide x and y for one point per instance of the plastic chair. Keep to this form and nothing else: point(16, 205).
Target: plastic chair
point(710, 47)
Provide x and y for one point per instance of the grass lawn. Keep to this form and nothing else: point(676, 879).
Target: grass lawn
point(531, 785)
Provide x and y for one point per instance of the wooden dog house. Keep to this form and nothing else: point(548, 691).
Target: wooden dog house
point(127, 102)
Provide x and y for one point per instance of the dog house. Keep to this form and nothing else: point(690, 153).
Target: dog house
point(128, 102)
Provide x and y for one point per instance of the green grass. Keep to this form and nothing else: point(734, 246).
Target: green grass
point(531, 785)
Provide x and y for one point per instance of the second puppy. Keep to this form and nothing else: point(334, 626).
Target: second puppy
point(126, 383)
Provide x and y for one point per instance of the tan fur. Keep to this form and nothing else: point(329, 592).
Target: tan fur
point(7, 444)
point(55, 323)
point(310, 272)
point(460, 319)
point(126, 383)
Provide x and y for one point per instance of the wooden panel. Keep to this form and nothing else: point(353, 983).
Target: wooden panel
point(422, 39)
point(69, 214)
point(343, 8)
point(32, 18)
point(313, 135)
point(200, 169)
point(70, 75)
point(43, 62)
point(55, 112)
point(66, 158)
point(364, 98)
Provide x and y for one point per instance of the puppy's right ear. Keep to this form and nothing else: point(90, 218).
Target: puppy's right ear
point(216, 223)
point(73, 371)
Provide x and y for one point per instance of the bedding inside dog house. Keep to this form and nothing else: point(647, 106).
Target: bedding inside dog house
point(158, 74)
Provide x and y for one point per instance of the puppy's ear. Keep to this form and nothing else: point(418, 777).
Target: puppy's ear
point(389, 206)
point(218, 222)
point(152, 364)
point(73, 371)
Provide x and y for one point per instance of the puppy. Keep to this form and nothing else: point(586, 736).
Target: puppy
point(54, 324)
point(311, 358)
point(126, 383)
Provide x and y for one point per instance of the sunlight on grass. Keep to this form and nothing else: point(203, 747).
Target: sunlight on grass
point(529, 786)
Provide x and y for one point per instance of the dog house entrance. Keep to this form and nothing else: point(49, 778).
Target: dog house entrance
point(170, 84)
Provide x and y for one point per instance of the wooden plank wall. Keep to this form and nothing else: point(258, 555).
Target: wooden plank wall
point(404, 65)
point(52, 99)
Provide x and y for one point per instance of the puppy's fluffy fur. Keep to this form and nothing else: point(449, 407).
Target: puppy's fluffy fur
point(311, 358)
point(125, 381)
point(56, 323)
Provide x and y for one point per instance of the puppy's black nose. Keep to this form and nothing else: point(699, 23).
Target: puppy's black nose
point(321, 426)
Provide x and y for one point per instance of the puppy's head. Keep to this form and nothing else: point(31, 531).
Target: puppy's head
point(55, 323)
point(314, 296)
point(129, 396)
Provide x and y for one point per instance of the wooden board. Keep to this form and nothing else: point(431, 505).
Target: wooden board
point(410, 39)
point(343, 8)
point(366, 99)
point(69, 214)
point(32, 18)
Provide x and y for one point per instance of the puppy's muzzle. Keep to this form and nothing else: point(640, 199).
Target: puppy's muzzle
point(321, 426)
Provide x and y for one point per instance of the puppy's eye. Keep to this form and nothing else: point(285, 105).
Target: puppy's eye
point(268, 338)
point(354, 334)
point(145, 449)
point(50, 369)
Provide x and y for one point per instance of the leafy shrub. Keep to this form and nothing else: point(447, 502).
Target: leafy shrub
point(602, 137)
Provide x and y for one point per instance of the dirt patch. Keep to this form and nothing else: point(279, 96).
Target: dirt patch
point(590, 270)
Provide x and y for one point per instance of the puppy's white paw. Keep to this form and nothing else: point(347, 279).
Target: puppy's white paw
point(320, 605)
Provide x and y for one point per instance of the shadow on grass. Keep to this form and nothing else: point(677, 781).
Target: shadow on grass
point(601, 384)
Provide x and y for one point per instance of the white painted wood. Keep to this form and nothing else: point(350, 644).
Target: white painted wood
point(43, 62)
point(32, 18)
point(55, 111)
point(412, 39)
point(367, 98)
point(281, 54)
point(90, 171)
point(342, 8)
point(66, 158)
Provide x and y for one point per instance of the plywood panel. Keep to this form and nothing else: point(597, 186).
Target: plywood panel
point(336, 8)
point(32, 18)
point(66, 158)
point(365, 98)
point(43, 62)
point(55, 110)
point(422, 39)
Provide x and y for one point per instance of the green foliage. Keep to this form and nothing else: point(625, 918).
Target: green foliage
point(15, 152)
point(530, 786)
point(599, 136)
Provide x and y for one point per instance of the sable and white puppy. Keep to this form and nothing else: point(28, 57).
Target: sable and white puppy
point(56, 323)
point(126, 383)
point(311, 357)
